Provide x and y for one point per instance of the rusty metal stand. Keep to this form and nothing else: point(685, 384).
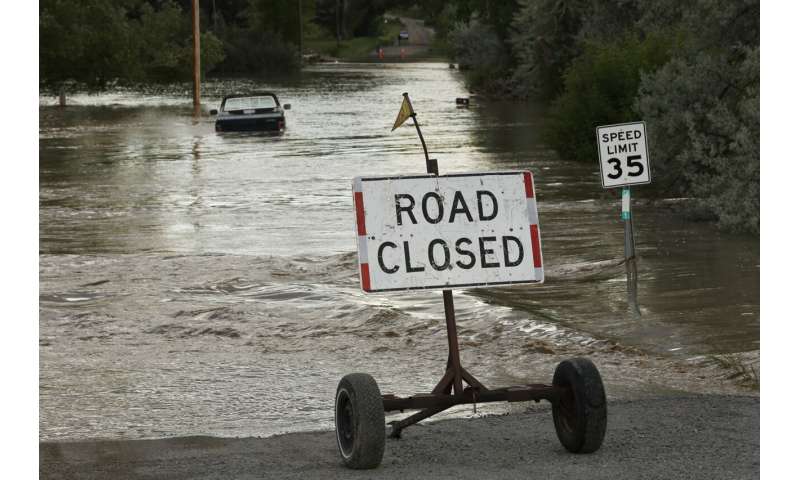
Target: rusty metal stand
point(450, 390)
point(452, 381)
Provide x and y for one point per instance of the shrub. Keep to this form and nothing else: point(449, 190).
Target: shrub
point(93, 43)
point(600, 88)
point(702, 109)
point(703, 116)
point(544, 43)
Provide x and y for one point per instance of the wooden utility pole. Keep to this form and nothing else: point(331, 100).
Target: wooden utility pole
point(196, 49)
point(631, 271)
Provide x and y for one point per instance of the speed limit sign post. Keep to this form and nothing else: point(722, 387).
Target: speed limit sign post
point(624, 161)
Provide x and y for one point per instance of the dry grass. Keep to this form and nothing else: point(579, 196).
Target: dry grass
point(744, 371)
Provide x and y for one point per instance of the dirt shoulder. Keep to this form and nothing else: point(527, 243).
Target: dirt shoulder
point(684, 437)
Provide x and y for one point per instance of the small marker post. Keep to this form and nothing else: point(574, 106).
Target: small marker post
point(630, 253)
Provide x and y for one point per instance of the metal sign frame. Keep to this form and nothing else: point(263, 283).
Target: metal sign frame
point(450, 390)
point(577, 394)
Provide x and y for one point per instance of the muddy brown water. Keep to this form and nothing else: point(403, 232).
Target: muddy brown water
point(199, 283)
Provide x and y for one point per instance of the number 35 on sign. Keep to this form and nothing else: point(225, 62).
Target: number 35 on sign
point(622, 149)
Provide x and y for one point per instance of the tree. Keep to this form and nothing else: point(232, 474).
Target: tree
point(544, 42)
point(89, 42)
point(702, 110)
point(547, 35)
point(480, 52)
point(94, 42)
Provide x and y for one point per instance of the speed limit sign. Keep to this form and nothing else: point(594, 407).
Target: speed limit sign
point(622, 149)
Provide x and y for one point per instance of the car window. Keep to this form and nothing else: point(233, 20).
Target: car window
point(243, 103)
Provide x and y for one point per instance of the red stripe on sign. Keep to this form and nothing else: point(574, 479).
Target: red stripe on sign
point(537, 253)
point(365, 284)
point(528, 184)
point(362, 229)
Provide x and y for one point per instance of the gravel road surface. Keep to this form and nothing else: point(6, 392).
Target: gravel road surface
point(686, 437)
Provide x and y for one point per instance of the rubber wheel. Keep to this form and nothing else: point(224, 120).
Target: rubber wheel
point(580, 413)
point(360, 421)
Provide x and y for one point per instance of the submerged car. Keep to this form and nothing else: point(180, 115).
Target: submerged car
point(258, 111)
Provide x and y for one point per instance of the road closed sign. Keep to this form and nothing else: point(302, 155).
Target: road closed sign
point(622, 149)
point(448, 231)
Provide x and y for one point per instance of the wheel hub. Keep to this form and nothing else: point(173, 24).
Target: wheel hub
point(344, 423)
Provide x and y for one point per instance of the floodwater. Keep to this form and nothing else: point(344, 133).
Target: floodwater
point(201, 283)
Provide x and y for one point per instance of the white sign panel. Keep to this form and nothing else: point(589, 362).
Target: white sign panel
point(450, 231)
point(622, 149)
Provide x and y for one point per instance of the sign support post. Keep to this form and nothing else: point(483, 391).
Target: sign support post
point(196, 56)
point(454, 368)
point(624, 161)
point(630, 253)
point(455, 375)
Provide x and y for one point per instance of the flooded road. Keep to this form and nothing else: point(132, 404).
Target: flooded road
point(200, 283)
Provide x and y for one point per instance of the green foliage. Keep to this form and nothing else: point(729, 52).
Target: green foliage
point(251, 51)
point(212, 53)
point(165, 44)
point(690, 68)
point(544, 43)
point(479, 51)
point(704, 129)
point(599, 89)
point(702, 110)
point(281, 17)
point(548, 34)
point(445, 15)
point(88, 41)
point(93, 42)
point(99, 41)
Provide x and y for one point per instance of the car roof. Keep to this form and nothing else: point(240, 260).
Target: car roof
point(251, 94)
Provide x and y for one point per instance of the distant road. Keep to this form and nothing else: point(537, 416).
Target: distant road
point(418, 33)
point(419, 40)
point(686, 437)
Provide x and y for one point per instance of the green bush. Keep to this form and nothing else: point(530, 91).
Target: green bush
point(703, 115)
point(165, 45)
point(600, 88)
point(702, 110)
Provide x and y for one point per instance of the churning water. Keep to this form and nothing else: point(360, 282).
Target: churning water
point(201, 283)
